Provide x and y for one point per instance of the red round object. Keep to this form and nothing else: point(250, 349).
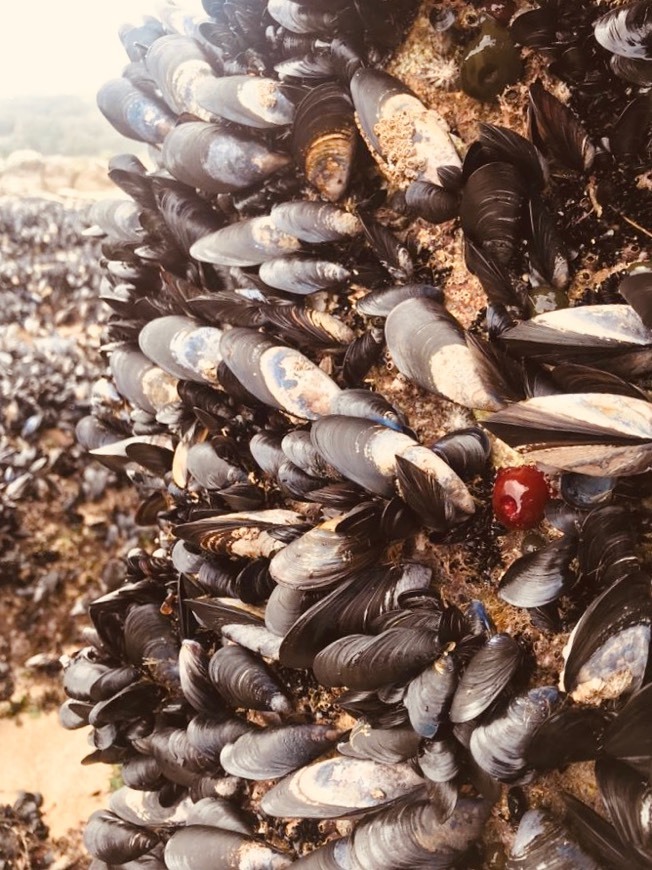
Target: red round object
point(520, 496)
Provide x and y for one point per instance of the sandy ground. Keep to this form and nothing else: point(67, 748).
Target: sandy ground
point(28, 745)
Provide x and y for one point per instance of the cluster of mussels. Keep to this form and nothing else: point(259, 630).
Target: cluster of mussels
point(287, 670)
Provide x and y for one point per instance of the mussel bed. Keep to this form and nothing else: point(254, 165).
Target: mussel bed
point(336, 314)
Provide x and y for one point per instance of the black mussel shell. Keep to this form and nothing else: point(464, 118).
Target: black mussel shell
point(380, 302)
point(338, 787)
point(428, 346)
point(540, 577)
point(216, 160)
point(115, 841)
point(607, 652)
point(544, 841)
point(325, 139)
point(200, 847)
point(363, 662)
point(626, 31)
point(555, 128)
point(491, 210)
point(569, 735)
point(245, 681)
point(636, 289)
point(499, 746)
point(487, 674)
point(388, 745)
point(413, 835)
point(467, 451)
point(432, 202)
point(274, 752)
point(428, 695)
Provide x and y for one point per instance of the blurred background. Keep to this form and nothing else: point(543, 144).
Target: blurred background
point(63, 526)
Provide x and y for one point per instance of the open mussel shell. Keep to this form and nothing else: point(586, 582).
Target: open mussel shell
point(626, 31)
point(202, 847)
point(134, 113)
point(544, 841)
point(428, 346)
point(339, 787)
point(487, 674)
point(587, 433)
point(380, 101)
point(607, 652)
point(246, 243)
point(324, 139)
point(611, 337)
point(499, 746)
point(248, 100)
point(274, 752)
point(217, 160)
point(361, 661)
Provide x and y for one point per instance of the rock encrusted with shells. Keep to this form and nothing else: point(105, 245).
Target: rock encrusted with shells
point(296, 624)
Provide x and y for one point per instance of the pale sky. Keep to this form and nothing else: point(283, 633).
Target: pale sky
point(51, 47)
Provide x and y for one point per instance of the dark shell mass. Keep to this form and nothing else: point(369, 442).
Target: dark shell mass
point(323, 188)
